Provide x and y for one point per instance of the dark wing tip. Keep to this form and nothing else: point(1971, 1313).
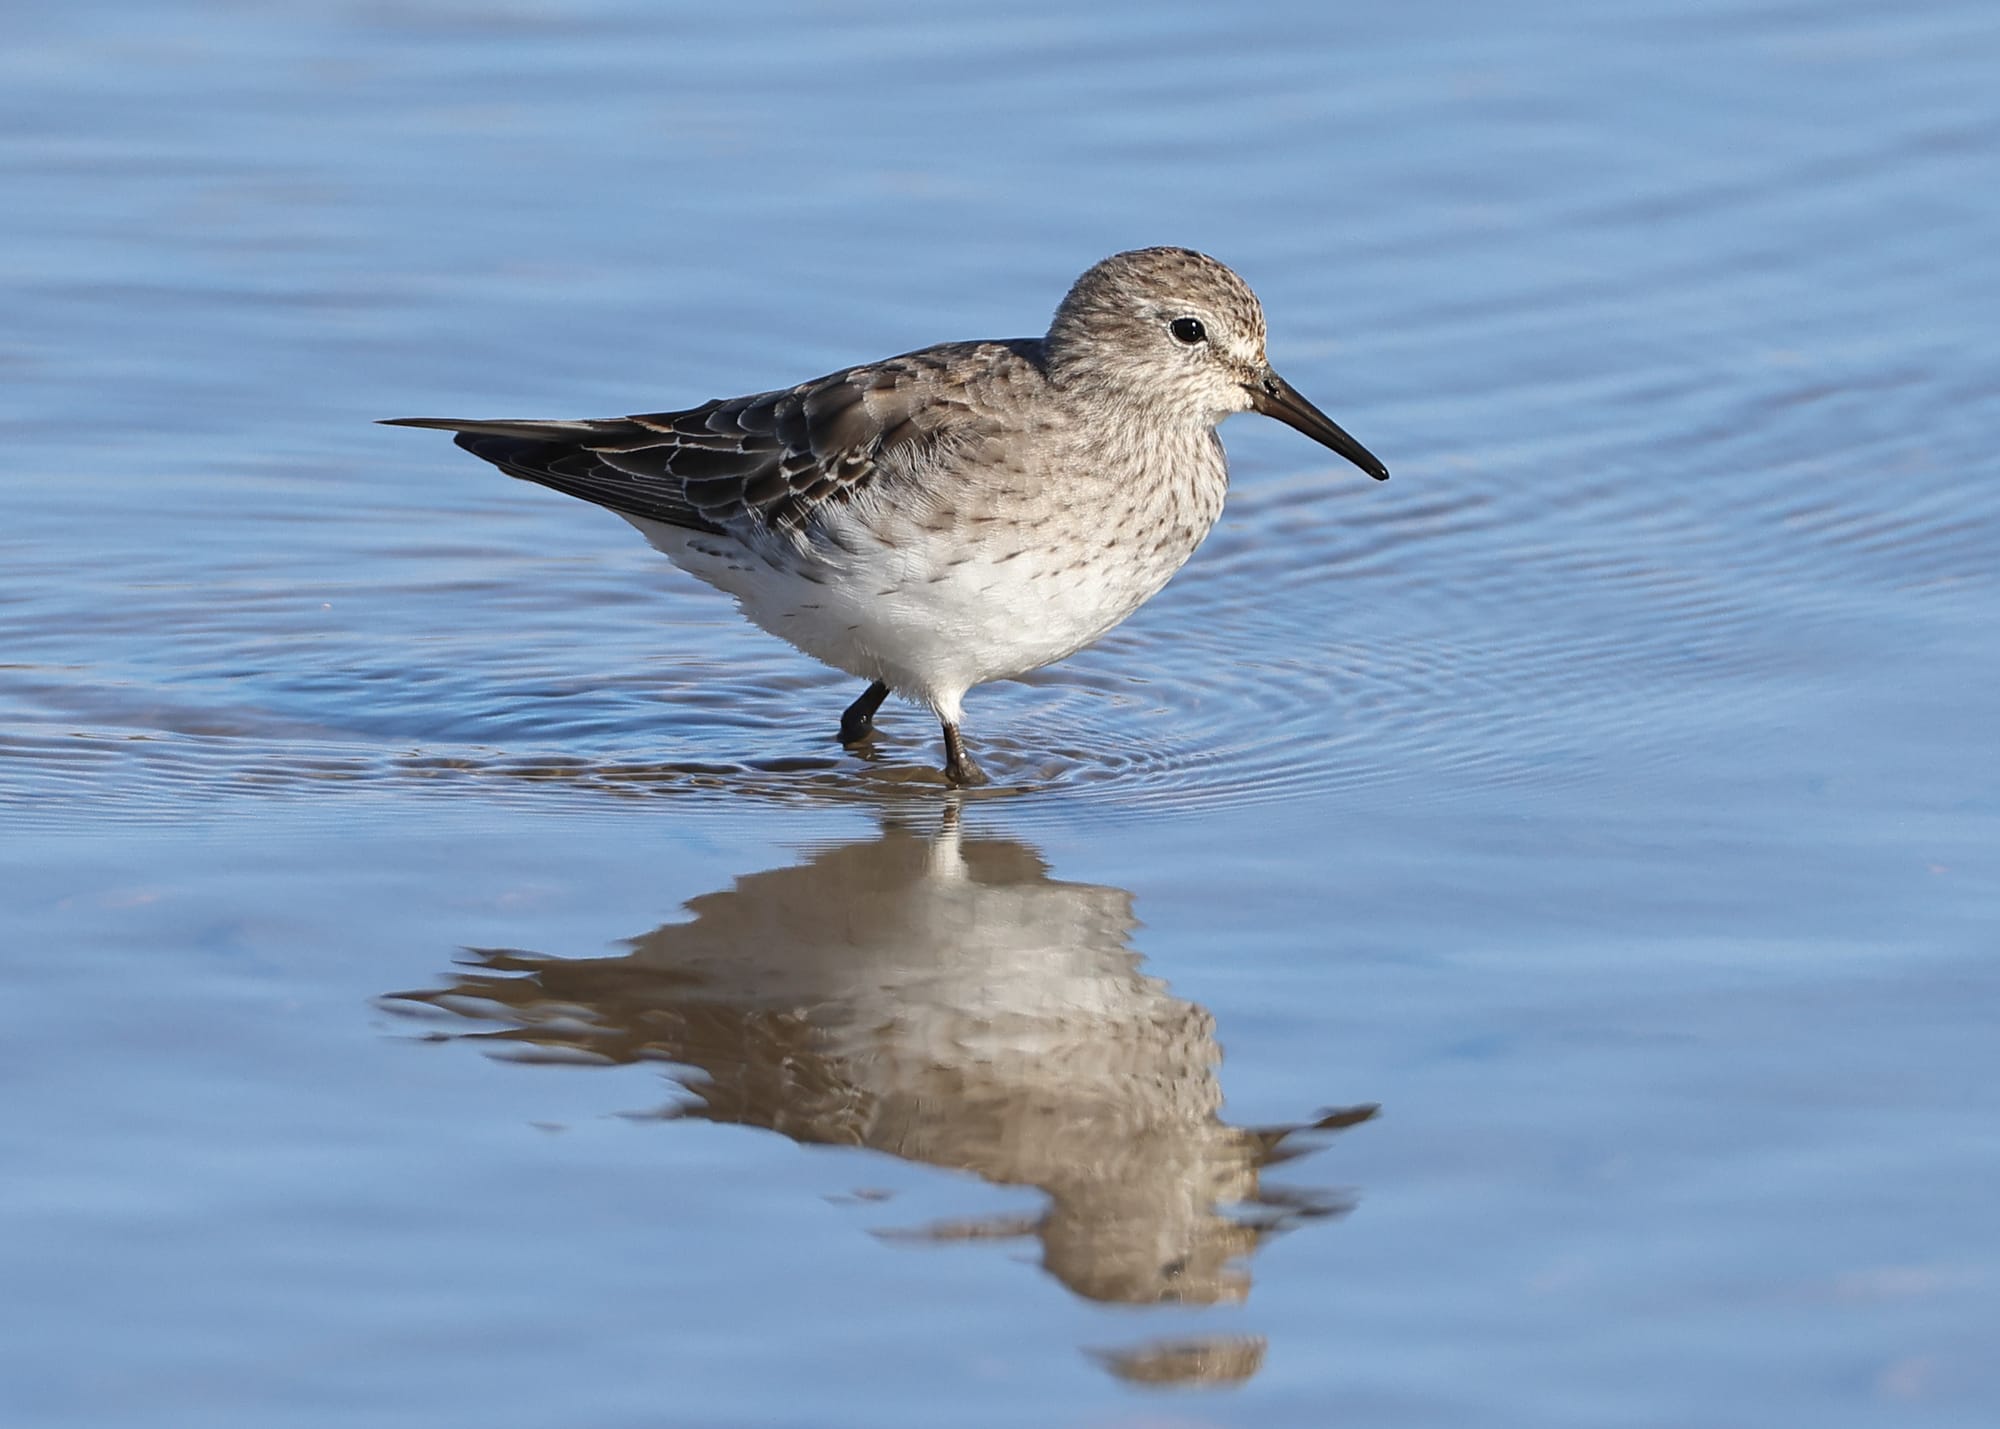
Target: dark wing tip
point(527, 430)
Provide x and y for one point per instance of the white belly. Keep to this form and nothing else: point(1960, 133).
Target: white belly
point(926, 617)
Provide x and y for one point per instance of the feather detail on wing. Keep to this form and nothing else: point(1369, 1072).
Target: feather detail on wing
point(774, 461)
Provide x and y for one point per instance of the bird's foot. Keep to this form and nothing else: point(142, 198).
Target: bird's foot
point(857, 722)
point(959, 767)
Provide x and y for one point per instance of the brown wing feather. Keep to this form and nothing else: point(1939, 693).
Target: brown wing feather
point(772, 462)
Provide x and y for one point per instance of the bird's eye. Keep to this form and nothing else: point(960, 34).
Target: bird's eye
point(1187, 330)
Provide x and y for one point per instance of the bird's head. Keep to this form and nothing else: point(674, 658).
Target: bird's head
point(1178, 333)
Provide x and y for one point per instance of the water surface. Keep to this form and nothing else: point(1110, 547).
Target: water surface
point(1509, 946)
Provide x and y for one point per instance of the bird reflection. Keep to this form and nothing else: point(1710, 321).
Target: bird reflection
point(943, 1000)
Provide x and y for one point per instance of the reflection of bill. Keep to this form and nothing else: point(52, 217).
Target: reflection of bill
point(945, 1001)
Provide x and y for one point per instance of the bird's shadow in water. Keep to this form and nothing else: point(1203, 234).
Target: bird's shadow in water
point(941, 999)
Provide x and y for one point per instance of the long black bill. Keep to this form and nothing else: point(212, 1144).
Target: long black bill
point(1275, 397)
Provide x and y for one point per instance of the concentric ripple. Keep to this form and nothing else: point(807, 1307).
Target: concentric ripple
point(1452, 629)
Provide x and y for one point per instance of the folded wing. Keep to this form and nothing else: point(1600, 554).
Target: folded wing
point(772, 462)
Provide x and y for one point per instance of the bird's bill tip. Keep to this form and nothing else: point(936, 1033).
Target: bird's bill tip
point(1275, 397)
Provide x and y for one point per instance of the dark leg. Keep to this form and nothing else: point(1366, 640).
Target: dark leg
point(958, 765)
point(859, 720)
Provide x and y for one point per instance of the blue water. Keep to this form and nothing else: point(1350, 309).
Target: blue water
point(454, 976)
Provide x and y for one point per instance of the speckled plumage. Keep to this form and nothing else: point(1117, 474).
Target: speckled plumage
point(960, 514)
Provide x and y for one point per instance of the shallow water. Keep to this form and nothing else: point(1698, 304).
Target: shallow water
point(424, 905)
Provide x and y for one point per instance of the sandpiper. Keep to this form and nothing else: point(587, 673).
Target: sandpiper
point(964, 513)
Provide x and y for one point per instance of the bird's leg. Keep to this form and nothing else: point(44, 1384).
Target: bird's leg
point(858, 722)
point(958, 765)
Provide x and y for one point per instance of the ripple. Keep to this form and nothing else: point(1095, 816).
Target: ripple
point(1521, 614)
point(1331, 637)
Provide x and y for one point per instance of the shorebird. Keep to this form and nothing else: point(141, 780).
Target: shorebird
point(959, 514)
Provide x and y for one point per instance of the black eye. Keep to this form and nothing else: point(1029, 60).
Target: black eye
point(1187, 330)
